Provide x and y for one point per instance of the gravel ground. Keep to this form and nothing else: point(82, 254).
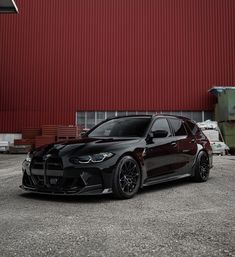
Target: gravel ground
point(173, 219)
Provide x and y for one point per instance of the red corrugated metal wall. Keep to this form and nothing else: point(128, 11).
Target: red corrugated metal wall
point(58, 57)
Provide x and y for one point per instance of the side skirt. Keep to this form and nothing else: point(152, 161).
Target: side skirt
point(165, 179)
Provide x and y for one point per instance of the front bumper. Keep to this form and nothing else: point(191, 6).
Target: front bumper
point(70, 180)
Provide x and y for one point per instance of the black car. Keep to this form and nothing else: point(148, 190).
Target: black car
point(120, 155)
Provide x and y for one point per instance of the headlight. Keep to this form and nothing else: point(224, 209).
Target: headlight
point(99, 157)
point(93, 158)
point(28, 158)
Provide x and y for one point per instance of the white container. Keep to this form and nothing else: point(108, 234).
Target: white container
point(4, 146)
point(212, 135)
point(10, 137)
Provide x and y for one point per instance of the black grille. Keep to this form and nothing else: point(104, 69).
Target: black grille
point(37, 163)
point(52, 178)
point(38, 180)
point(52, 163)
point(54, 182)
point(69, 183)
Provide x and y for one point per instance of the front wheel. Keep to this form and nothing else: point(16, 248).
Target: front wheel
point(202, 168)
point(126, 178)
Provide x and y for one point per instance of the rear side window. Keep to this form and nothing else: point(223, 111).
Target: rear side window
point(161, 124)
point(178, 127)
point(193, 127)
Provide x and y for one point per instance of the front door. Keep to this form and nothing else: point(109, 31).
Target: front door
point(160, 153)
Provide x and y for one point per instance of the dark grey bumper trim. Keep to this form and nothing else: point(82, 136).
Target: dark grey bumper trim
point(88, 190)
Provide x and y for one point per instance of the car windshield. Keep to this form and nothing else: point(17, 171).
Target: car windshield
point(122, 127)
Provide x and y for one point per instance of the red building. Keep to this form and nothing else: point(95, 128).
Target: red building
point(63, 62)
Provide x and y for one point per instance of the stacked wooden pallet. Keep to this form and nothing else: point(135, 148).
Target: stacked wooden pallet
point(27, 142)
point(30, 133)
point(68, 132)
point(49, 134)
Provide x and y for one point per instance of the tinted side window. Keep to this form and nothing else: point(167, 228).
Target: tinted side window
point(178, 127)
point(193, 127)
point(161, 124)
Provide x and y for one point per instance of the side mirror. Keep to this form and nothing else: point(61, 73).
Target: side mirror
point(82, 134)
point(159, 133)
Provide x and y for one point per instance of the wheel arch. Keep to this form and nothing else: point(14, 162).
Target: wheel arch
point(200, 149)
point(135, 157)
point(116, 187)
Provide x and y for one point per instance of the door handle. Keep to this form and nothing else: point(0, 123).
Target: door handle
point(193, 140)
point(174, 144)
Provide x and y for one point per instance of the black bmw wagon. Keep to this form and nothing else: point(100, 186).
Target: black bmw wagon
point(120, 156)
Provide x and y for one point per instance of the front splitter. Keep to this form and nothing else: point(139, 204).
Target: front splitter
point(88, 190)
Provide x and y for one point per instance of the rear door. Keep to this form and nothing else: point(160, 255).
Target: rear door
point(186, 143)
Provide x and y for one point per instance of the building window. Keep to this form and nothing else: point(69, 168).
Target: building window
point(91, 118)
point(81, 119)
point(100, 117)
point(121, 113)
point(110, 114)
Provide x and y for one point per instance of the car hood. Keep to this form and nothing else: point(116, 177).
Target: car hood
point(87, 146)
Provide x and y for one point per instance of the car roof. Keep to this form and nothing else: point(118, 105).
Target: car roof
point(152, 116)
point(173, 116)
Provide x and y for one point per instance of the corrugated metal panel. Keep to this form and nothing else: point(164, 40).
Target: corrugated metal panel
point(58, 57)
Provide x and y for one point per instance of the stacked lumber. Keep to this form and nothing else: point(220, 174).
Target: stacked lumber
point(44, 140)
point(27, 142)
point(68, 132)
point(47, 134)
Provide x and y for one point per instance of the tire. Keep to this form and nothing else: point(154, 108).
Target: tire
point(202, 168)
point(126, 178)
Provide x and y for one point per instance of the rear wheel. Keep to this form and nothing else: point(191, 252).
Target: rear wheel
point(126, 178)
point(202, 168)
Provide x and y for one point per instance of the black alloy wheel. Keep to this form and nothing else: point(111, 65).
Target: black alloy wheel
point(126, 179)
point(202, 168)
